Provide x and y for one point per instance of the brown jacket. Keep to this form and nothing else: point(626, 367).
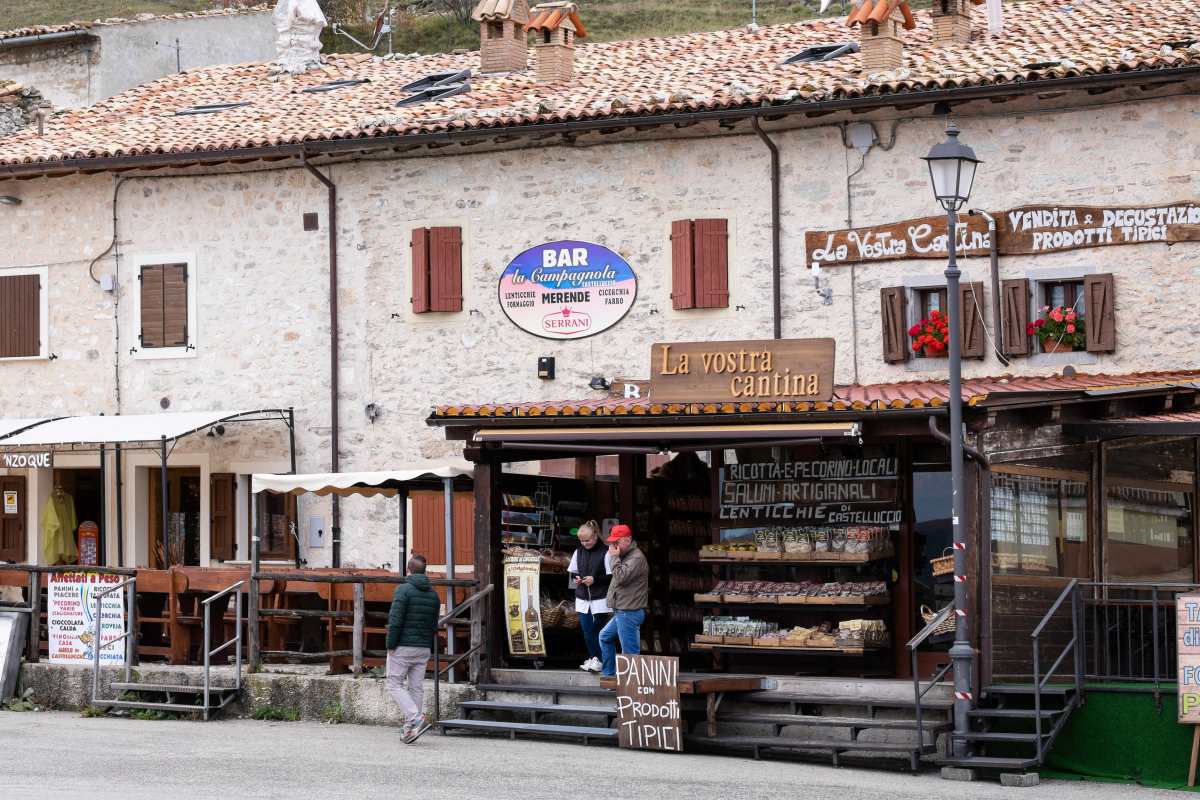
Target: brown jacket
point(630, 582)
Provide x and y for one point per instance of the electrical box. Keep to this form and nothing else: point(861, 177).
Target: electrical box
point(546, 368)
point(316, 532)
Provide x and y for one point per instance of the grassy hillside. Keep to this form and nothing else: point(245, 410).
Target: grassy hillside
point(23, 13)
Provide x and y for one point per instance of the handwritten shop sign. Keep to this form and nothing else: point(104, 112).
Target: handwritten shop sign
point(648, 714)
point(28, 460)
point(567, 289)
point(840, 491)
point(756, 370)
point(1027, 230)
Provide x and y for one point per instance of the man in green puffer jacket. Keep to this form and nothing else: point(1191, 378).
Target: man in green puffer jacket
point(412, 624)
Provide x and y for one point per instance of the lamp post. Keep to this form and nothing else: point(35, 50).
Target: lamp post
point(952, 171)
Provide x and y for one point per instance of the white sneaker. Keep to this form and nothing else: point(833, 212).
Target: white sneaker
point(593, 665)
point(586, 666)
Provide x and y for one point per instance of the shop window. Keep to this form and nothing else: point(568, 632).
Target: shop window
point(699, 263)
point(23, 313)
point(436, 270)
point(1149, 505)
point(1039, 525)
point(166, 307)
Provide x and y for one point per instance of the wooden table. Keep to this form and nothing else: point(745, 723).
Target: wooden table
point(712, 687)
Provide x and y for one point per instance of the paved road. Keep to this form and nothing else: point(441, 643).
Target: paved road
point(59, 754)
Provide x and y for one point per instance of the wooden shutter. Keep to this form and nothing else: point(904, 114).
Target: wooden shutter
point(1014, 316)
point(683, 260)
point(1100, 316)
point(164, 301)
point(892, 302)
point(974, 344)
point(222, 502)
point(711, 249)
point(20, 316)
point(445, 269)
point(429, 527)
point(152, 306)
point(420, 271)
point(12, 526)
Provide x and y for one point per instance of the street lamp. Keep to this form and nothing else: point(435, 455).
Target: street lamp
point(952, 171)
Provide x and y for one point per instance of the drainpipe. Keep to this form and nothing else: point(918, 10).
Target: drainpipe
point(335, 432)
point(997, 322)
point(776, 232)
point(976, 456)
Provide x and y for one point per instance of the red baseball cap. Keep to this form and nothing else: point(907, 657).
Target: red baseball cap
point(620, 532)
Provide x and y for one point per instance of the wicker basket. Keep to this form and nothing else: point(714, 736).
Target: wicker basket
point(943, 564)
point(946, 625)
point(570, 618)
point(553, 616)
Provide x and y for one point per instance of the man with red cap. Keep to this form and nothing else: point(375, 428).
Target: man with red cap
point(626, 598)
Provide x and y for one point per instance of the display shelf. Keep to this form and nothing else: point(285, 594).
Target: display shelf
point(795, 602)
point(697, 647)
point(815, 562)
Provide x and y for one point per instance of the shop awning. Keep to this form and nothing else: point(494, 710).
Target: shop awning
point(15, 425)
point(671, 433)
point(1176, 423)
point(130, 429)
point(367, 484)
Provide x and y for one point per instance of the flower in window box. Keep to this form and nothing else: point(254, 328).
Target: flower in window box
point(931, 336)
point(1060, 329)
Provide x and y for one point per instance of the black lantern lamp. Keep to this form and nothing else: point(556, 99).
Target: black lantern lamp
point(952, 170)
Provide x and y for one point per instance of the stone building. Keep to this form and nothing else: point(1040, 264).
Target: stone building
point(218, 182)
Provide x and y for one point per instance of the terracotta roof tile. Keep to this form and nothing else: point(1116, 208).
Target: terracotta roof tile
point(35, 30)
point(633, 79)
point(879, 397)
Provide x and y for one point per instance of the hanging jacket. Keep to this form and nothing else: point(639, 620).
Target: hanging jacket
point(58, 530)
point(412, 621)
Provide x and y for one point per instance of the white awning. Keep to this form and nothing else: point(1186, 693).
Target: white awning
point(367, 484)
point(122, 428)
point(12, 425)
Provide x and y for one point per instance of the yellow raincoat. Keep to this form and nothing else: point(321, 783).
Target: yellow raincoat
point(58, 530)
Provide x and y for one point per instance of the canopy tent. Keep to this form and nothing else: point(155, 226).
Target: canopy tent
point(127, 429)
point(15, 425)
point(388, 483)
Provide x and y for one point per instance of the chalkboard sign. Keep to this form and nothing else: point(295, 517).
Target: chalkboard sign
point(648, 703)
point(837, 491)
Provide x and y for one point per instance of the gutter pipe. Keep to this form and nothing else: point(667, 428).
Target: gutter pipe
point(776, 232)
point(997, 320)
point(58, 37)
point(976, 456)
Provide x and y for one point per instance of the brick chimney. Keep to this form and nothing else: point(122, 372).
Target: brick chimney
point(556, 26)
point(881, 25)
point(951, 21)
point(503, 43)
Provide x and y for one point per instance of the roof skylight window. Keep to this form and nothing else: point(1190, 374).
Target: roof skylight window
point(823, 52)
point(334, 85)
point(209, 109)
point(437, 79)
point(435, 93)
point(1041, 65)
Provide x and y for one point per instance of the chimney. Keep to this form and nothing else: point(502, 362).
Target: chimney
point(881, 25)
point(298, 26)
point(556, 26)
point(502, 38)
point(951, 22)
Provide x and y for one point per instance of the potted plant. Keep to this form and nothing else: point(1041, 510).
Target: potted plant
point(1059, 329)
point(931, 336)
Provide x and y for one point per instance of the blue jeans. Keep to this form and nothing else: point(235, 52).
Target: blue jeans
point(626, 626)
point(590, 625)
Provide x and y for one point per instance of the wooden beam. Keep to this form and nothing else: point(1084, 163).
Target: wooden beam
point(357, 636)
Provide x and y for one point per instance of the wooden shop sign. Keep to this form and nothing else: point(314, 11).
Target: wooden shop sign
point(754, 370)
point(1027, 230)
point(648, 714)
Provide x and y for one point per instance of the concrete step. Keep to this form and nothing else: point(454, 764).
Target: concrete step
point(834, 748)
point(536, 708)
point(989, 762)
point(539, 729)
point(170, 688)
point(864, 701)
point(534, 688)
point(861, 723)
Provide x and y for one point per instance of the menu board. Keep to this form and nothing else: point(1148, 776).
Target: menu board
point(648, 716)
point(835, 491)
point(71, 618)
point(1187, 646)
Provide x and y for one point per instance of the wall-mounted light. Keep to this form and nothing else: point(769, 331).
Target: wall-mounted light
point(600, 383)
point(216, 430)
point(826, 292)
point(9, 200)
point(373, 411)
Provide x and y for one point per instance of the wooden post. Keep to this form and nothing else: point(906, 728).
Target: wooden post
point(451, 595)
point(253, 600)
point(477, 612)
point(488, 566)
point(1195, 752)
point(35, 616)
point(360, 608)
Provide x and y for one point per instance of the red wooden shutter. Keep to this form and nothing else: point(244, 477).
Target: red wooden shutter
point(429, 527)
point(1014, 315)
point(1100, 317)
point(222, 501)
point(683, 260)
point(20, 316)
point(445, 269)
point(892, 302)
point(152, 306)
point(712, 263)
point(12, 526)
point(971, 316)
point(175, 305)
point(420, 271)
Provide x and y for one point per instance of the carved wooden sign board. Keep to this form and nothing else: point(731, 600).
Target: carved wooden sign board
point(1027, 230)
point(740, 371)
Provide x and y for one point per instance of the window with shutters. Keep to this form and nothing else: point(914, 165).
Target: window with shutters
point(24, 314)
point(1089, 294)
point(437, 281)
point(902, 307)
point(699, 263)
point(165, 310)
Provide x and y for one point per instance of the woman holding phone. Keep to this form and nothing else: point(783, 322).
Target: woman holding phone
point(591, 570)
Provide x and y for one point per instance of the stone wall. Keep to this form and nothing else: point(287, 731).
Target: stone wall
point(263, 299)
point(64, 72)
point(17, 106)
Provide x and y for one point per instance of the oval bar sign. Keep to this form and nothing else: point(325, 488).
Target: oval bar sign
point(567, 289)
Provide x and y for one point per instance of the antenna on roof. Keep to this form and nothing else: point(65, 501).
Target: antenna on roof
point(383, 25)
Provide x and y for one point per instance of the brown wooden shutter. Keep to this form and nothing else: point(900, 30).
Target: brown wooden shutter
point(152, 306)
point(222, 502)
point(892, 302)
point(429, 527)
point(974, 344)
point(683, 260)
point(420, 271)
point(20, 316)
point(1100, 316)
point(712, 263)
point(445, 269)
point(12, 526)
point(1014, 316)
point(175, 305)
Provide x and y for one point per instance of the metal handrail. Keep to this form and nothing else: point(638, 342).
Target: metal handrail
point(475, 647)
point(1039, 683)
point(126, 636)
point(918, 692)
point(236, 640)
point(1070, 587)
